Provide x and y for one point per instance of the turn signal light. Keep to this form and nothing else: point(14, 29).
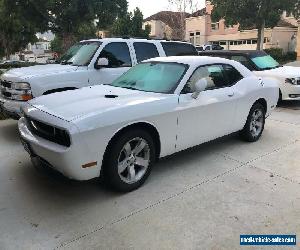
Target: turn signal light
point(26, 97)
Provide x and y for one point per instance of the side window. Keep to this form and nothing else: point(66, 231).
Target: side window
point(243, 60)
point(179, 49)
point(232, 75)
point(145, 51)
point(117, 54)
point(217, 76)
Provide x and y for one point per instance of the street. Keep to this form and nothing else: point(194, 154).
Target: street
point(202, 198)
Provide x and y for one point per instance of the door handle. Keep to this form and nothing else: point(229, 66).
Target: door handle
point(231, 95)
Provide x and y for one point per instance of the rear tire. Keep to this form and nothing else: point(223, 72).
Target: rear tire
point(129, 160)
point(255, 123)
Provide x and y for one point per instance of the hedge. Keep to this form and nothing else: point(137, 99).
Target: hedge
point(280, 56)
point(18, 65)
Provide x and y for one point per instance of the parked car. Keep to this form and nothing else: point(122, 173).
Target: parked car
point(83, 66)
point(209, 47)
point(263, 64)
point(11, 62)
point(159, 107)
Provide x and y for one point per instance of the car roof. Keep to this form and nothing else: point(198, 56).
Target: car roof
point(196, 61)
point(191, 60)
point(235, 52)
point(132, 39)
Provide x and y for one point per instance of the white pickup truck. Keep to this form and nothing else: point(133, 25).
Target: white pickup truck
point(87, 63)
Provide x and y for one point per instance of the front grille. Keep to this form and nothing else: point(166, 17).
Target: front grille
point(5, 87)
point(6, 84)
point(6, 94)
point(48, 132)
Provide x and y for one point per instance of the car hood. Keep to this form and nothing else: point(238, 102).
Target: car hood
point(85, 102)
point(37, 71)
point(285, 71)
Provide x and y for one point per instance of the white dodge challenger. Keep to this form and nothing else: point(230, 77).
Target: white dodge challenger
point(159, 107)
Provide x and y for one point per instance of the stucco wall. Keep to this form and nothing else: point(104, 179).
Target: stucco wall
point(159, 29)
point(281, 37)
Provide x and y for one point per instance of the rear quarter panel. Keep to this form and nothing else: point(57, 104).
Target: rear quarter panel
point(250, 90)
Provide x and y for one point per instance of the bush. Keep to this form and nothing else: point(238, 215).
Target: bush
point(276, 53)
point(291, 56)
point(18, 65)
point(280, 56)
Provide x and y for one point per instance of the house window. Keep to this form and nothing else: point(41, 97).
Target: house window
point(215, 26)
point(195, 38)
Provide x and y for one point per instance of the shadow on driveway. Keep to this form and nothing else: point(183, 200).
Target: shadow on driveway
point(293, 105)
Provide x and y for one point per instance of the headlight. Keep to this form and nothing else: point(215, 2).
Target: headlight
point(22, 91)
point(21, 86)
point(294, 81)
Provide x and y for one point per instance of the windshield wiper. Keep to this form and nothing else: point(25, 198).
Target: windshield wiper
point(127, 87)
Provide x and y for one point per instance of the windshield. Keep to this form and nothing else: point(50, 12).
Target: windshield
point(80, 54)
point(155, 77)
point(265, 62)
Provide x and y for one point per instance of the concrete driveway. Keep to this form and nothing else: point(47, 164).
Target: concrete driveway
point(203, 198)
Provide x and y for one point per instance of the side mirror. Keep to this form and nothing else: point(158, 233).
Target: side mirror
point(200, 86)
point(102, 62)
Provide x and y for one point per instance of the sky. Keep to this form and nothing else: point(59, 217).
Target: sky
point(150, 7)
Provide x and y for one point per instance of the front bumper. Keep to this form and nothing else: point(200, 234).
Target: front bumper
point(11, 108)
point(69, 161)
point(290, 92)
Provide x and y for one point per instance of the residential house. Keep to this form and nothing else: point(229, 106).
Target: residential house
point(200, 29)
point(167, 25)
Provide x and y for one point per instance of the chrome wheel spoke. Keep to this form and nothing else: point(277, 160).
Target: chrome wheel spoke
point(257, 115)
point(259, 124)
point(142, 162)
point(122, 166)
point(139, 147)
point(131, 173)
point(127, 149)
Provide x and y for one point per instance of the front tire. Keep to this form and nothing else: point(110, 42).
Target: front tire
point(129, 160)
point(255, 123)
point(280, 98)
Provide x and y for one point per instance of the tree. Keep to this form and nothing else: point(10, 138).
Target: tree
point(20, 21)
point(253, 13)
point(74, 20)
point(68, 17)
point(182, 6)
point(107, 11)
point(57, 45)
point(131, 25)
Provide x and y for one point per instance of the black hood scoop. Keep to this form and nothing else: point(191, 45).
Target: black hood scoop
point(111, 96)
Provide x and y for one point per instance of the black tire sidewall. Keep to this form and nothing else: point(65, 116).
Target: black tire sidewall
point(111, 164)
